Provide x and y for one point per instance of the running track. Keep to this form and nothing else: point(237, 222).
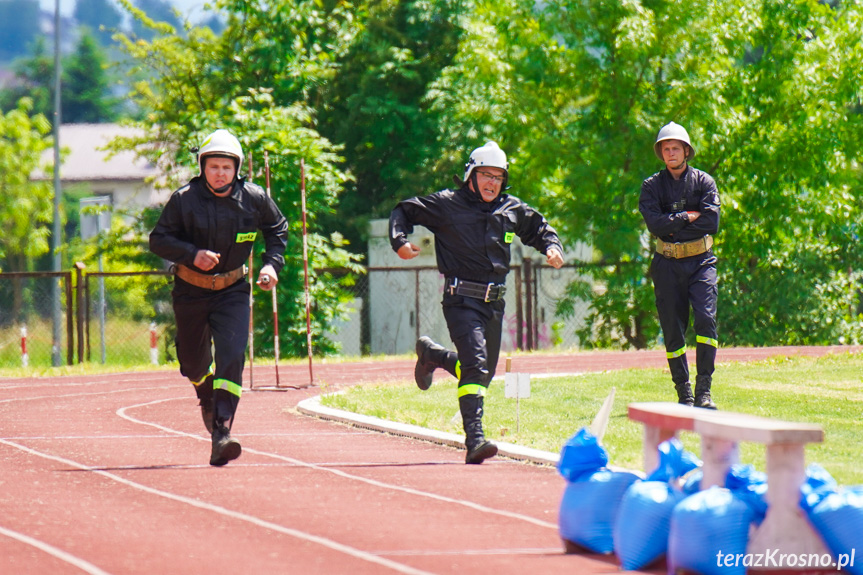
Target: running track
point(109, 474)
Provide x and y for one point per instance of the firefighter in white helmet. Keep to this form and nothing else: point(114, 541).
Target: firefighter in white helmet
point(680, 205)
point(207, 230)
point(474, 225)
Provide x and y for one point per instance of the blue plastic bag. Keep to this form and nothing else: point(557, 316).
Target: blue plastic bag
point(674, 461)
point(644, 518)
point(589, 507)
point(711, 522)
point(837, 515)
point(581, 454)
point(750, 486)
point(643, 523)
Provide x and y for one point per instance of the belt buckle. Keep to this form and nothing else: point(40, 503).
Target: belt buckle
point(487, 293)
point(668, 250)
point(453, 286)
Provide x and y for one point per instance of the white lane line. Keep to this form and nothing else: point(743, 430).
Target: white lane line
point(470, 504)
point(329, 543)
point(68, 395)
point(474, 552)
point(81, 564)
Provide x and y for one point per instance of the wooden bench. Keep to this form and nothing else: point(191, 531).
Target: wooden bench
point(785, 526)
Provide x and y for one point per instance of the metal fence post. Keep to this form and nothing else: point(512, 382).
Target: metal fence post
point(79, 308)
point(70, 312)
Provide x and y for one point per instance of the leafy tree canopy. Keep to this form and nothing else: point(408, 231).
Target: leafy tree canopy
point(27, 205)
point(770, 93)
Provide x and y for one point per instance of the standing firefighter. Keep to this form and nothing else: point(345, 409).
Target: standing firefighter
point(680, 206)
point(474, 226)
point(207, 229)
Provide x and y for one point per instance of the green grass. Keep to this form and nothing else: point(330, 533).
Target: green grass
point(825, 391)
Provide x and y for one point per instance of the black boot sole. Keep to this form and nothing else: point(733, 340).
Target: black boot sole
point(481, 453)
point(228, 451)
point(422, 375)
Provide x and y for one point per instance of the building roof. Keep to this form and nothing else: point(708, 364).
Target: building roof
point(87, 160)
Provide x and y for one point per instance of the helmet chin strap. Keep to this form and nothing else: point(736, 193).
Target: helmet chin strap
point(224, 188)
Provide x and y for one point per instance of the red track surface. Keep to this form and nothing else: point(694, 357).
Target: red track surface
point(109, 474)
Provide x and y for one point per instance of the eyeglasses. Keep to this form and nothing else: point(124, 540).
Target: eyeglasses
point(492, 177)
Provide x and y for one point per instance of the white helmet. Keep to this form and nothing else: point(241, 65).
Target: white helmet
point(672, 131)
point(221, 143)
point(488, 155)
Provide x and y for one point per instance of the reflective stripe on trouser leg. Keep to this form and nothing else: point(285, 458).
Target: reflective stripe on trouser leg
point(705, 355)
point(204, 386)
point(228, 386)
point(203, 379)
point(226, 397)
point(471, 389)
point(671, 290)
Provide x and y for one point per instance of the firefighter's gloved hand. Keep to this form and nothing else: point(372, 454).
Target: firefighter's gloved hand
point(408, 251)
point(267, 279)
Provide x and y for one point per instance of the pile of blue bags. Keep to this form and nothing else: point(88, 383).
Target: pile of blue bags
point(666, 515)
point(641, 521)
point(836, 513)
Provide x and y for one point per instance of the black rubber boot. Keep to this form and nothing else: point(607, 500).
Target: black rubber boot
point(478, 447)
point(684, 393)
point(225, 447)
point(702, 392)
point(430, 356)
point(204, 391)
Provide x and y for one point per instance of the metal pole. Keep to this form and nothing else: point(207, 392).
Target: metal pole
point(306, 269)
point(251, 304)
point(56, 239)
point(275, 303)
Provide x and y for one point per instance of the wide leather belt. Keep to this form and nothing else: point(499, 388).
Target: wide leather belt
point(485, 292)
point(213, 282)
point(684, 249)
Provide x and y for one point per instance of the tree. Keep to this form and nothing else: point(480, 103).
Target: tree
point(101, 16)
point(34, 79)
point(377, 106)
point(197, 86)
point(26, 206)
point(19, 26)
point(86, 89)
point(158, 11)
point(770, 93)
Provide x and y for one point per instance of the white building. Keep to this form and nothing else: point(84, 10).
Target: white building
point(123, 177)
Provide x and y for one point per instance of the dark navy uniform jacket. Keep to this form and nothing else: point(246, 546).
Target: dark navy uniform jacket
point(664, 202)
point(472, 237)
point(196, 219)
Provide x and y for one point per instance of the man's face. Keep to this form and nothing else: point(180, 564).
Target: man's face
point(219, 171)
point(489, 180)
point(673, 154)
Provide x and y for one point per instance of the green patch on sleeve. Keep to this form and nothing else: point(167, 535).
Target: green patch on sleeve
point(249, 237)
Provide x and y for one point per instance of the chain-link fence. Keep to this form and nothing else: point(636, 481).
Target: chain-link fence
point(125, 318)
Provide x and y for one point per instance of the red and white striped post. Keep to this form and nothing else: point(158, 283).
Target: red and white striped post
point(25, 359)
point(154, 344)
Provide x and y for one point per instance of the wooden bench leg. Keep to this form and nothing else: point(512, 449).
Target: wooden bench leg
point(717, 455)
point(653, 436)
point(785, 526)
